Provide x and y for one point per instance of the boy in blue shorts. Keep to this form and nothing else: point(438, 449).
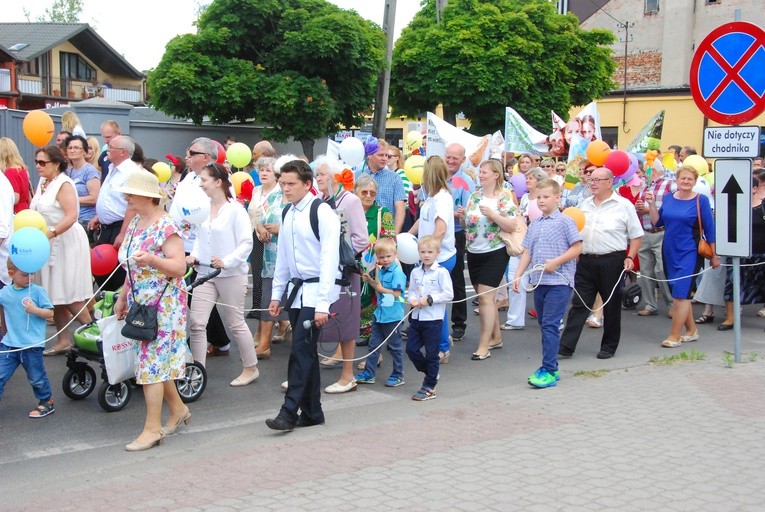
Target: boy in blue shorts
point(552, 242)
point(389, 283)
point(26, 307)
point(430, 288)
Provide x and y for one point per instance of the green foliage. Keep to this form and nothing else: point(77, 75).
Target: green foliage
point(693, 355)
point(60, 11)
point(489, 54)
point(302, 67)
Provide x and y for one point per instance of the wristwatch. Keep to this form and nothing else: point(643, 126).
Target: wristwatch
point(430, 300)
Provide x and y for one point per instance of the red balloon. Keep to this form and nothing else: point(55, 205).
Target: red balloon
point(221, 152)
point(618, 162)
point(103, 259)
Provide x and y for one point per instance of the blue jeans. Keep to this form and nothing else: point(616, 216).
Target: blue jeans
point(379, 333)
point(444, 345)
point(550, 302)
point(32, 361)
point(424, 334)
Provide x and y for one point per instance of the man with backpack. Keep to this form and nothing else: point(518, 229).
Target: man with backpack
point(310, 282)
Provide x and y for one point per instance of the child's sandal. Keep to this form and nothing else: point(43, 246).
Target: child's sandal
point(43, 409)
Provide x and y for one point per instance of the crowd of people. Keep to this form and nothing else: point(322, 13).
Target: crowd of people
point(288, 236)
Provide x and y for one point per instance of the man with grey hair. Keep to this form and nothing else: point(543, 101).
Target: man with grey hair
point(113, 214)
point(651, 260)
point(610, 221)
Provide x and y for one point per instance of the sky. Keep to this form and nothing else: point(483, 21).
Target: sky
point(140, 29)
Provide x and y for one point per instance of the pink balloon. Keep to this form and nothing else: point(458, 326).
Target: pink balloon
point(221, 152)
point(534, 211)
point(618, 162)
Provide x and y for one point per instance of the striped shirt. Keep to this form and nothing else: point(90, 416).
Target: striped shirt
point(660, 187)
point(548, 237)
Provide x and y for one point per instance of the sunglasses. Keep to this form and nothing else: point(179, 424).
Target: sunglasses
point(546, 166)
point(368, 193)
point(587, 172)
point(195, 153)
point(42, 163)
point(392, 156)
point(220, 173)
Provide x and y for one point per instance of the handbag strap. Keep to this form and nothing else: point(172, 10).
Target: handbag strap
point(130, 279)
point(698, 216)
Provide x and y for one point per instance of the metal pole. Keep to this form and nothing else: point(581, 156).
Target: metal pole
point(440, 4)
point(737, 309)
point(383, 81)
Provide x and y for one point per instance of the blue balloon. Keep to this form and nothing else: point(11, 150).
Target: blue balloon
point(30, 249)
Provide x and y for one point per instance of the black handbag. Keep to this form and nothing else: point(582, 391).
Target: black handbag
point(141, 320)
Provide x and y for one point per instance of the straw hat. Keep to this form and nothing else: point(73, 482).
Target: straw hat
point(142, 183)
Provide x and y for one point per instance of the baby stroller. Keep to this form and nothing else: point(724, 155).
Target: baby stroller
point(80, 379)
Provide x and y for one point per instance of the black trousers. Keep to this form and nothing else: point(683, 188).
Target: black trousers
point(304, 391)
point(459, 310)
point(107, 234)
point(593, 276)
point(216, 332)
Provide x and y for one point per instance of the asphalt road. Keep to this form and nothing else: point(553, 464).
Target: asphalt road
point(80, 441)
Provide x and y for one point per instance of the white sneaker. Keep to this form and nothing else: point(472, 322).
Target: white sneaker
point(508, 327)
point(761, 313)
point(285, 385)
point(594, 322)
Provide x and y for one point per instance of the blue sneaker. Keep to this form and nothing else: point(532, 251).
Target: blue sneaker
point(365, 378)
point(543, 379)
point(394, 381)
point(556, 374)
point(424, 394)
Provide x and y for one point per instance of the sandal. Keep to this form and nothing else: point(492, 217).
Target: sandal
point(43, 409)
point(705, 319)
point(671, 343)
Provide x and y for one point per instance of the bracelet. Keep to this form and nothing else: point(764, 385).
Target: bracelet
point(629, 257)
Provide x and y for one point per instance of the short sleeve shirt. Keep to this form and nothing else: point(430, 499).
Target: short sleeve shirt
point(12, 301)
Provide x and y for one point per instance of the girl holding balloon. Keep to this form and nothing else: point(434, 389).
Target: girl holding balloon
point(66, 274)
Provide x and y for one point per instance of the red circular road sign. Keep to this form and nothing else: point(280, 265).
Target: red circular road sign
point(727, 81)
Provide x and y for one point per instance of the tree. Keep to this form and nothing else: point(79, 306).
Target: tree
point(302, 67)
point(61, 11)
point(489, 54)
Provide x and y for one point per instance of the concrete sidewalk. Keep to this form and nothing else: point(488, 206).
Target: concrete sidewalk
point(684, 436)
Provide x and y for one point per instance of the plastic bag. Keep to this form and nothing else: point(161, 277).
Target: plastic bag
point(120, 357)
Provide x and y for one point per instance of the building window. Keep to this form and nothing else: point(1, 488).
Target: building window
point(610, 135)
point(32, 67)
point(651, 6)
point(75, 67)
point(713, 2)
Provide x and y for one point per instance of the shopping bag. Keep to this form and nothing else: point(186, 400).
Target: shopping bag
point(120, 357)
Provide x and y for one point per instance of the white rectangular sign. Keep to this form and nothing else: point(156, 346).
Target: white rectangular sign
point(733, 207)
point(731, 142)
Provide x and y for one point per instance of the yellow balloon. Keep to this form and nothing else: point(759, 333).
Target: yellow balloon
point(413, 168)
point(414, 139)
point(697, 162)
point(239, 155)
point(237, 179)
point(29, 219)
point(163, 171)
point(668, 159)
point(710, 179)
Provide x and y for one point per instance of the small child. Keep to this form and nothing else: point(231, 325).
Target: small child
point(430, 287)
point(554, 242)
point(26, 307)
point(389, 282)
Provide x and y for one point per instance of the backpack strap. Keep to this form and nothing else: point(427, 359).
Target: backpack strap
point(313, 214)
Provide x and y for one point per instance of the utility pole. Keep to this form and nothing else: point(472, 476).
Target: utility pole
point(383, 81)
point(440, 4)
point(627, 38)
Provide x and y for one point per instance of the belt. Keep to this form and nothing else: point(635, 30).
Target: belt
point(107, 226)
point(621, 253)
point(297, 283)
point(654, 230)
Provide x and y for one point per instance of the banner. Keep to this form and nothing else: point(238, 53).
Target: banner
point(441, 134)
point(649, 137)
point(520, 137)
point(586, 124)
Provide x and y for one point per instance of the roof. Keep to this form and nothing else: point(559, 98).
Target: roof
point(43, 37)
point(6, 54)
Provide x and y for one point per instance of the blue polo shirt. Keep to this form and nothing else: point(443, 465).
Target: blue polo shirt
point(392, 278)
point(24, 329)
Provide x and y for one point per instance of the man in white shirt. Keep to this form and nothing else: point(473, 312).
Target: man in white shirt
point(311, 286)
point(112, 211)
point(610, 221)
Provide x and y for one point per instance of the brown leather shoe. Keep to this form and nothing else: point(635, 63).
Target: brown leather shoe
point(213, 351)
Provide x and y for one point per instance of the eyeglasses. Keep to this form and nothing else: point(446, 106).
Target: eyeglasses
point(367, 193)
point(560, 169)
point(546, 166)
point(392, 156)
point(42, 163)
point(595, 180)
point(195, 153)
point(587, 172)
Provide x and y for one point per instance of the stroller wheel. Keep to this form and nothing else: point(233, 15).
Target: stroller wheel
point(79, 381)
point(114, 397)
point(193, 382)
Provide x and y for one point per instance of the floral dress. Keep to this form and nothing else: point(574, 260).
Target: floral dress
point(161, 359)
point(272, 214)
point(480, 231)
point(379, 225)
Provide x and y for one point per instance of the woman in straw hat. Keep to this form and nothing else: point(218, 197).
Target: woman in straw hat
point(153, 253)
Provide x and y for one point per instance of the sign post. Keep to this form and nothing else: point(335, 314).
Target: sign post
point(727, 86)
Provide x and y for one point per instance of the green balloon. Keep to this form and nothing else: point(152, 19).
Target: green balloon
point(238, 155)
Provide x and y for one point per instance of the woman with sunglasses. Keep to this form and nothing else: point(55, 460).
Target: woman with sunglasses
point(66, 274)
point(581, 190)
point(86, 178)
point(223, 241)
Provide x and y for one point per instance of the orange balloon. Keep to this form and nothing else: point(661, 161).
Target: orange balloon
point(576, 215)
point(38, 127)
point(597, 151)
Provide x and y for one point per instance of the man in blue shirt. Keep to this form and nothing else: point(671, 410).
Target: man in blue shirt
point(390, 188)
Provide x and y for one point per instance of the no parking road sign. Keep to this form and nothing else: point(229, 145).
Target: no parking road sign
point(727, 78)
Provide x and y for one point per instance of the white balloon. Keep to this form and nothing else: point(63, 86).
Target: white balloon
point(352, 151)
point(702, 187)
point(190, 204)
point(407, 248)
